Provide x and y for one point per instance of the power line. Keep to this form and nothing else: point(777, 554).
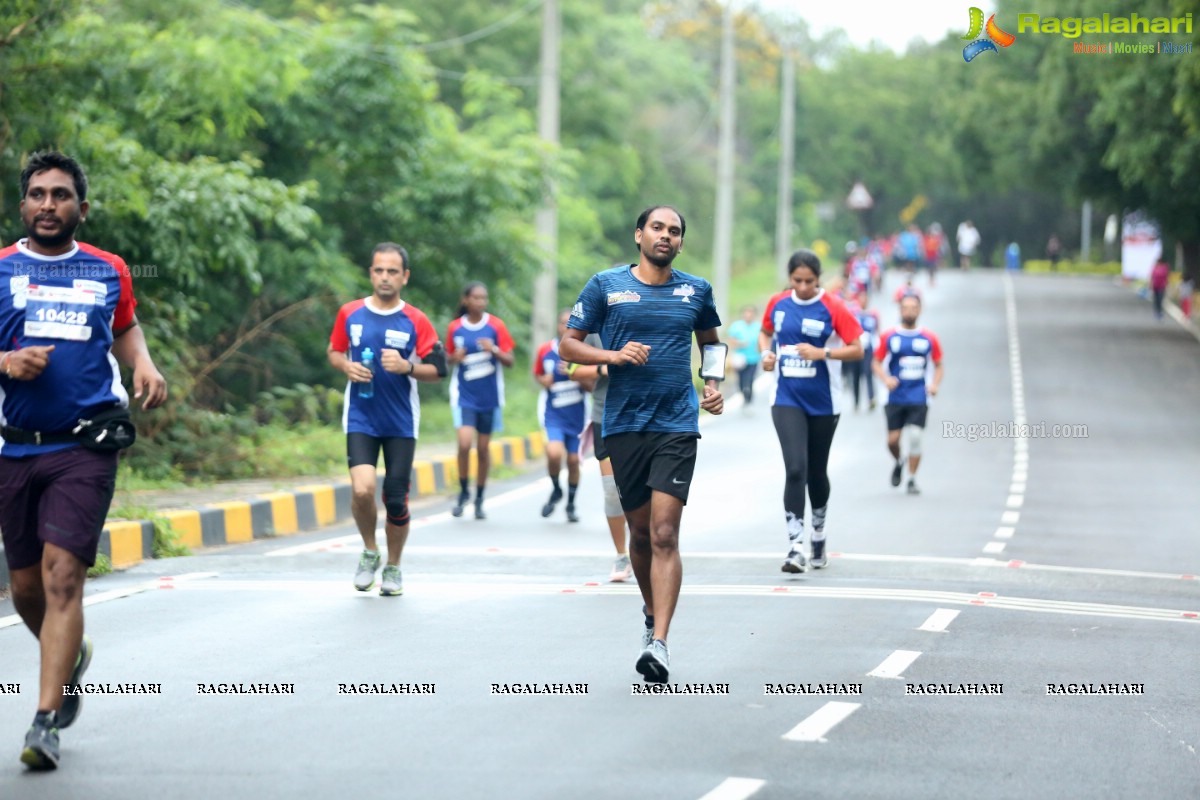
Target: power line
point(483, 32)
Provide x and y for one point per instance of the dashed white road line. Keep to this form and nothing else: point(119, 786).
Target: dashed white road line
point(821, 722)
point(993, 548)
point(938, 620)
point(735, 789)
point(895, 664)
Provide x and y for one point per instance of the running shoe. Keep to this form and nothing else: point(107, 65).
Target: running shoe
point(571, 515)
point(647, 637)
point(654, 662)
point(794, 562)
point(391, 585)
point(479, 510)
point(912, 487)
point(41, 745)
point(460, 504)
point(897, 471)
point(71, 702)
point(364, 578)
point(555, 496)
point(622, 570)
point(818, 559)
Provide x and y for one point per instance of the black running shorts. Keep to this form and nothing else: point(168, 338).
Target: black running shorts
point(646, 461)
point(898, 416)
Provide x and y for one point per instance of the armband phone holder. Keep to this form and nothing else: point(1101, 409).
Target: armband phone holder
point(712, 361)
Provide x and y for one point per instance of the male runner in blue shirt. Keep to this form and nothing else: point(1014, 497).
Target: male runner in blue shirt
point(646, 314)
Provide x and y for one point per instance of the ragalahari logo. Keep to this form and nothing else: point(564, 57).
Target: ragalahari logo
point(980, 44)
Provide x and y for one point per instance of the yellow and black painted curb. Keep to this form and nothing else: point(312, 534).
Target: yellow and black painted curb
point(305, 508)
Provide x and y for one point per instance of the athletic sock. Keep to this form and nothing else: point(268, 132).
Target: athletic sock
point(818, 523)
point(479, 493)
point(571, 488)
point(462, 486)
point(554, 482)
point(649, 618)
point(795, 529)
point(44, 718)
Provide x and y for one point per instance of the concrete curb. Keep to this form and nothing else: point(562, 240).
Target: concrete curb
point(306, 508)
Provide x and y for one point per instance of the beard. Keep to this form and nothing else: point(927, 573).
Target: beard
point(660, 260)
point(66, 233)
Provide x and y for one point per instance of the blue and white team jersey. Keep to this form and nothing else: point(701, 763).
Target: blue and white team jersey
point(657, 396)
point(73, 301)
point(395, 408)
point(563, 406)
point(911, 355)
point(824, 321)
point(478, 381)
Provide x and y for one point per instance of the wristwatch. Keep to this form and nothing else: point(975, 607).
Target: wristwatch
point(827, 354)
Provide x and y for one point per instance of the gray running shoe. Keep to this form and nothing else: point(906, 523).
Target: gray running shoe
point(71, 703)
point(391, 585)
point(794, 562)
point(647, 637)
point(622, 570)
point(460, 504)
point(364, 578)
point(897, 472)
point(41, 746)
point(818, 554)
point(654, 662)
point(912, 487)
point(479, 510)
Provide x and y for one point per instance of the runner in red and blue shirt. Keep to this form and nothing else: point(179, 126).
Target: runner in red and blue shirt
point(813, 333)
point(66, 321)
point(913, 373)
point(382, 409)
point(562, 411)
point(479, 343)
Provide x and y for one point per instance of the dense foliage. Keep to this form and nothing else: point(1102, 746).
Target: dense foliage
point(247, 156)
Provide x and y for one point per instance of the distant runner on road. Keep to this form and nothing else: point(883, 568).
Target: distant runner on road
point(562, 410)
point(813, 333)
point(910, 354)
point(382, 407)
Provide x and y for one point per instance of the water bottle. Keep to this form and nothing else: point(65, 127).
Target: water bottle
point(367, 390)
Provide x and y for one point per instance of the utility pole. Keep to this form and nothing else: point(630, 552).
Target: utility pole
point(723, 234)
point(545, 288)
point(787, 165)
point(1085, 232)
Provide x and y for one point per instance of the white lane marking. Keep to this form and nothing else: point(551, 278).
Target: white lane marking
point(1020, 476)
point(993, 548)
point(165, 582)
point(1015, 500)
point(1010, 517)
point(1005, 532)
point(821, 722)
point(938, 620)
point(735, 788)
point(1017, 487)
point(895, 664)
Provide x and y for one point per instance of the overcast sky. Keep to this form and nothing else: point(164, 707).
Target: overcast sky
point(894, 23)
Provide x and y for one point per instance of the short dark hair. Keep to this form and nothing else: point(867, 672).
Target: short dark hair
point(804, 258)
point(391, 247)
point(466, 292)
point(52, 159)
point(645, 215)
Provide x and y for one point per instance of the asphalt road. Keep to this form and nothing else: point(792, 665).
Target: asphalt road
point(1027, 562)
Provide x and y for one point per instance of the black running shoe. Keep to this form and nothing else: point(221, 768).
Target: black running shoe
point(70, 704)
point(818, 559)
point(460, 504)
point(555, 496)
point(41, 745)
point(479, 510)
point(897, 471)
point(571, 515)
